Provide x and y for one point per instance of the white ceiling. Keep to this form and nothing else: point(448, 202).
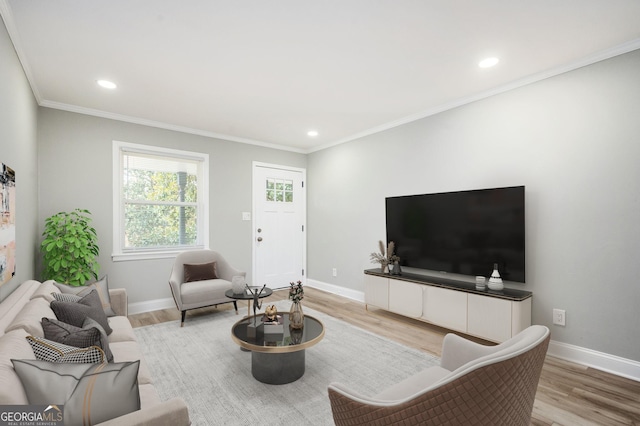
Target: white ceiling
point(266, 72)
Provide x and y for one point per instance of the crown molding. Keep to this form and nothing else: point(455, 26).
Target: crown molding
point(583, 62)
point(9, 23)
point(165, 126)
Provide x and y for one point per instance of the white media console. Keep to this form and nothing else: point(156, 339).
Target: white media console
point(491, 315)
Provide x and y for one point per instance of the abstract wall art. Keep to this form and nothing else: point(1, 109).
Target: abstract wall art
point(7, 223)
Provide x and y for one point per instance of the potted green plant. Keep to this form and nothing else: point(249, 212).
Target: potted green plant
point(70, 248)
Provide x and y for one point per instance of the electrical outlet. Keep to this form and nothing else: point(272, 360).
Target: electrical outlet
point(559, 317)
point(335, 272)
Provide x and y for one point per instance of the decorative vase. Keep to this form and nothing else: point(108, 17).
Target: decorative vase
point(384, 268)
point(495, 282)
point(396, 268)
point(296, 336)
point(237, 284)
point(296, 316)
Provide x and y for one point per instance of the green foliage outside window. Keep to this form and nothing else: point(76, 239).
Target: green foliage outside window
point(155, 208)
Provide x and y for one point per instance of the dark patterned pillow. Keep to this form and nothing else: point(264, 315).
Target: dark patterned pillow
point(104, 340)
point(91, 393)
point(66, 297)
point(200, 271)
point(101, 286)
point(48, 350)
point(75, 313)
point(91, 334)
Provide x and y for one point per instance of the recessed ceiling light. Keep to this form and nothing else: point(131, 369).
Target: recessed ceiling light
point(107, 84)
point(489, 62)
point(312, 133)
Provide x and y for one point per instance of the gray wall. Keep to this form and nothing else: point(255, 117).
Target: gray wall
point(18, 115)
point(75, 169)
point(572, 140)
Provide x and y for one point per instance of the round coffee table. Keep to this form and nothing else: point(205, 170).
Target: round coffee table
point(248, 297)
point(278, 358)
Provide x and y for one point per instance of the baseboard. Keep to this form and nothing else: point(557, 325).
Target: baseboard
point(599, 360)
point(358, 296)
point(151, 305)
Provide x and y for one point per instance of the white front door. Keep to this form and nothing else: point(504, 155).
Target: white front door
point(279, 212)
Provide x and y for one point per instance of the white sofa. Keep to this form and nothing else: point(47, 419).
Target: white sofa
point(21, 314)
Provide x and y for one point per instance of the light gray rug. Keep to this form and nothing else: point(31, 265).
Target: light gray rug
point(201, 364)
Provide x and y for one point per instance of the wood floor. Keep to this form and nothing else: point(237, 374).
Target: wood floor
point(568, 393)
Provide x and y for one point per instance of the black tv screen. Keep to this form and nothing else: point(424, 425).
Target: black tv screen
point(462, 232)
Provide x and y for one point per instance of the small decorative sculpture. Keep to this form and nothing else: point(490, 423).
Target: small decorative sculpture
point(256, 299)
point(271, 313)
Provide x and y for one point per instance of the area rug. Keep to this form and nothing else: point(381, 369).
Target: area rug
point(200, 363)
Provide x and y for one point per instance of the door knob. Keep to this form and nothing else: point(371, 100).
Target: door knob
point(259, 238)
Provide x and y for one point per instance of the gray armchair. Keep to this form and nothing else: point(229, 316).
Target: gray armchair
point(473, 385)
point(202, 282)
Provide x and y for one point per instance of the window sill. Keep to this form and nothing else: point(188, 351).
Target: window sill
point(150, 255)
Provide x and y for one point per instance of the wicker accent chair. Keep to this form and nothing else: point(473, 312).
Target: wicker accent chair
point(201, 291)
point(474, 385)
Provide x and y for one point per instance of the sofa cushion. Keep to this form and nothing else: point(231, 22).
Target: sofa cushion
point(413, 384)
point(148, 395)
point(44, 291)
point(122, 330)
point(128, 352)
point(101, 286)
point(14, 302)
point(30, 316)
point(75, 313)
point(201, 291)
point(13, 345)
point(91, 393)
point(91, 334)
point(200, 271)
point(48, 350)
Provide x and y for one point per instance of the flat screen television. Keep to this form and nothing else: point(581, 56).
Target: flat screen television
point(464, 232)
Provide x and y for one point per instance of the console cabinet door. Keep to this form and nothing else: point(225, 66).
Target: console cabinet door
point(446, 308)
point(405, 298)
point(376, 291)
point(520, 316)
point(489, 317)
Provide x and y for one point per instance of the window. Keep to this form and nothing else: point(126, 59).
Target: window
point(160, 201)
point(279, 190)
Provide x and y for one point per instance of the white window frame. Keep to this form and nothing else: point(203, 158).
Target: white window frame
point(122, 254)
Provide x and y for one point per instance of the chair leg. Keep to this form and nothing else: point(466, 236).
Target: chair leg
point(184, 314)
point(235, 305)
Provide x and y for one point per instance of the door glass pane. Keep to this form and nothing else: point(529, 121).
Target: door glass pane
point(279, 190)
